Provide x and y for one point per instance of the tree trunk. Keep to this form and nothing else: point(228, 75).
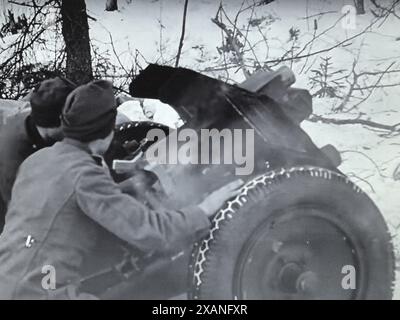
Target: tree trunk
point(360, 9)
point(112, 5)
point(75, 29)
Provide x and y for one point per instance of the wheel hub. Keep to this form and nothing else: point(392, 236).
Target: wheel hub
point(293, 278)
point(299, 255)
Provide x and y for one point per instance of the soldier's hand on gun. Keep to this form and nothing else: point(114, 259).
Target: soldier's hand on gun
point(216, 199)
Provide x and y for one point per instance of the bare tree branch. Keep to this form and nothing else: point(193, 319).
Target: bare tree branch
point(392, 128)
point(178, 56)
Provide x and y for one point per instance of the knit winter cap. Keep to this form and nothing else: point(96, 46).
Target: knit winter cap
point(90, 112)
point(47, 101)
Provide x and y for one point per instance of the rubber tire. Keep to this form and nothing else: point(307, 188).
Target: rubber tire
point(213, 260)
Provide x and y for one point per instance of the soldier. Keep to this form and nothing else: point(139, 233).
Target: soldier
point(64, 200)
point(25, 133)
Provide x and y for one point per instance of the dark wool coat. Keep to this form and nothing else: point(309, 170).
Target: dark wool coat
point(18, 140)
point(62, 204)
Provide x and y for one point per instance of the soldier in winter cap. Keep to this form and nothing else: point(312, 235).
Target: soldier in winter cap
point(90, 112)
point(47, 101)
point(25, 133)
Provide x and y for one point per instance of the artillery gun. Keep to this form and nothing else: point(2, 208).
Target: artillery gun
point(300, 229)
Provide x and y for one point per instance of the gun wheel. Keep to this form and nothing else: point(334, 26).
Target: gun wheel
point(300, 233)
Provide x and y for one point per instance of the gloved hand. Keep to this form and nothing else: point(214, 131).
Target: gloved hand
point(216, 199)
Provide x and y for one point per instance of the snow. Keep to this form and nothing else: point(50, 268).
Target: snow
point(369, 158)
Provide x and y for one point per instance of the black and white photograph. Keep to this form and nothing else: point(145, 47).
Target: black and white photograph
point(184, 151)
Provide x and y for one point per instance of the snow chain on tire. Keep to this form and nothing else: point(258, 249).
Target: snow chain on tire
point(202, 248)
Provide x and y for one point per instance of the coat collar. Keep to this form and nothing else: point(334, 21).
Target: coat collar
point(97, 158)
point(78, 144)
point(33, 135)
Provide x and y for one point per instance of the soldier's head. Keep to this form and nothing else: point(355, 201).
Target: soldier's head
point(47, 101)
point(89, 115)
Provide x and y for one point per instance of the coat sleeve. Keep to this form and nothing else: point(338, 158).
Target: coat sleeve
point(100, 198)
point(14, 149)
point(10, 160)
